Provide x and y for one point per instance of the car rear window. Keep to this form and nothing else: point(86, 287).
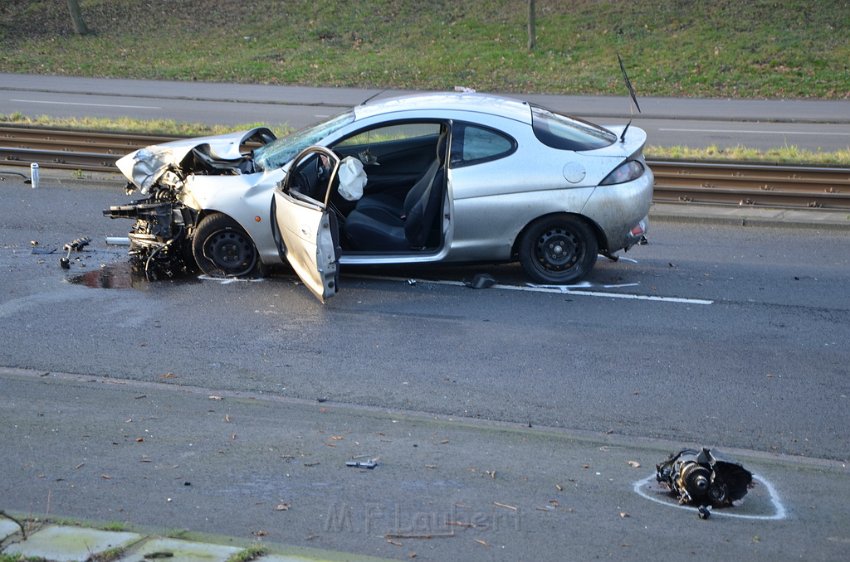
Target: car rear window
point(568, 133)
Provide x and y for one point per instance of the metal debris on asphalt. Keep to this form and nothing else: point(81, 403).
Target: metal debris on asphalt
point(481, 281)
point(371, 463)
point(700, 478)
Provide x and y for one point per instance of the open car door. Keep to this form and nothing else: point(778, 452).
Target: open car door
point(305, 230)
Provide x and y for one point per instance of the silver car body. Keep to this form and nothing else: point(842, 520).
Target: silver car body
point(487, 205)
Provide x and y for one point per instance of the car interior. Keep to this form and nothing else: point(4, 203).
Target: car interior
point(405, 166)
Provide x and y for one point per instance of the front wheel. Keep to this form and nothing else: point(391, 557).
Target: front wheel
point(558, 250)
point(223, 249)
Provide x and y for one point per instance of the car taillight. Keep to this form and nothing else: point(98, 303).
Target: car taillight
point(625, 172)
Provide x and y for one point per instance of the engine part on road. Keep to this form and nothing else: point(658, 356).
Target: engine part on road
point(73, 246)
point(699, 478)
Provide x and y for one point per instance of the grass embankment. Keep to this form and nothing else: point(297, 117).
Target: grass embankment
point(759, 48)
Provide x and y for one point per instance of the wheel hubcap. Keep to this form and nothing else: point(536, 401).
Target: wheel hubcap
point(557, 249)
point(230, 251)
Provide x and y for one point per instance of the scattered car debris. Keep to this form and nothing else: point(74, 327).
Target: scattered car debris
point(371, 463)
point(699, 478)
point(34, 175)
point(73, 246)
point(481, 281)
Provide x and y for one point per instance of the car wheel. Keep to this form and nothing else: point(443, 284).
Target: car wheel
point(222, 248)
point(558, 250)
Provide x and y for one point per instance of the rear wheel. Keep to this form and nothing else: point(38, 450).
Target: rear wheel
point(558, 250)
point(223, 249)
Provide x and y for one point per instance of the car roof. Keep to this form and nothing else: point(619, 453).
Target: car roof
point(448, 101)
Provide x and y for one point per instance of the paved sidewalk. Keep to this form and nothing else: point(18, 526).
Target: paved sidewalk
point(80, 543)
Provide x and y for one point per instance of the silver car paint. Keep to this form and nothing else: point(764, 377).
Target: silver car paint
point(245, 198)
point(479, 196)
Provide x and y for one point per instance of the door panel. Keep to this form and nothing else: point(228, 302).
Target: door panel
point(308, 233)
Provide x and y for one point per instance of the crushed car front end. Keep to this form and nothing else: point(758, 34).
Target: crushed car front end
point(166, 217)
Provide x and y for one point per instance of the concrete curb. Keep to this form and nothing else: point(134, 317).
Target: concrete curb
point(80, 541)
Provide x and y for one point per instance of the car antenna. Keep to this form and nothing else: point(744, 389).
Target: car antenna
point(631, 93)
point(373, 96)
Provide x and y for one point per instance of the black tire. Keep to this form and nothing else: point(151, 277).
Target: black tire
point(557, 250)
point(222, 248)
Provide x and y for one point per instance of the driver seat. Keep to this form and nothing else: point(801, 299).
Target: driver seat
point(382, 228)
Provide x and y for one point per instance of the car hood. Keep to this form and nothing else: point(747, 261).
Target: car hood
point(145, 166)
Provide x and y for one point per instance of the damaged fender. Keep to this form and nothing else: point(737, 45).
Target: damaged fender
point(144, 167)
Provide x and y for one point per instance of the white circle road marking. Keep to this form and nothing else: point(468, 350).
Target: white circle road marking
point(558, 289)
point(779, 508)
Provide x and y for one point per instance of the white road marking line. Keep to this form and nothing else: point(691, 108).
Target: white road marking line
point(748, 132)
point(779, 508)
point(229, 280)
point(558, 289)
point(88, 104)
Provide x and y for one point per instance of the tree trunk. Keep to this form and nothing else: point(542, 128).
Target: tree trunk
point(532, 34)
point(77, 18)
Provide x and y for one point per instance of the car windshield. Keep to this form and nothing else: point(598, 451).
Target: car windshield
point(279, 152)
point(568, 133)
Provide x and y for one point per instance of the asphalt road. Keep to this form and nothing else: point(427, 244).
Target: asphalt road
point(260, 468)
point(506, 421)
point(510, 412)
point(713, 334)
point(763, 124)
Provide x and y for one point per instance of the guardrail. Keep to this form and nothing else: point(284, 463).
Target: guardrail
point(716, 183)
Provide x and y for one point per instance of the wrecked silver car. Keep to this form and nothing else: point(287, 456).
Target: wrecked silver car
point(449, 177)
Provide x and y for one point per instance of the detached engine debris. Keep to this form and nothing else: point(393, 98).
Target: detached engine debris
point(73, 246)
point(699, 478)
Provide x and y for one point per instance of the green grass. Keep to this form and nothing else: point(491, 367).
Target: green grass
point(130, 125)
point(248, 554)
point(779, 155)
point(19, 558)
point(754, 49)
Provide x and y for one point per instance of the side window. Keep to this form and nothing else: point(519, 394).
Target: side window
point(472, 144)
point(390, 133)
